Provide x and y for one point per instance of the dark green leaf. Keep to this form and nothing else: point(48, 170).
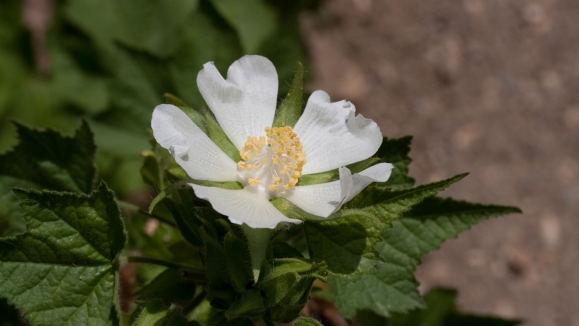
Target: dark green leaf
point(345, 243)
point(440, 311)
point(249, 305)
point(395, 151)
point(219, 319)
point(206, 38)
point(51, 160)
point(392, 287)
point(253, 20)
point(44, 160)
point(172, 286)
point(63, 270)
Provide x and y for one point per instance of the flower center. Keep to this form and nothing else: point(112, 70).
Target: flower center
point(274, 162)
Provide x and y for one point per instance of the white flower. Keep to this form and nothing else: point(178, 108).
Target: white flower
point(327, 136)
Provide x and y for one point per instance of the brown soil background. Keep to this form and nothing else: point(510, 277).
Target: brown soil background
point(485, 86)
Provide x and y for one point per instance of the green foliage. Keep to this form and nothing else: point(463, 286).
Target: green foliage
point(113, 60)
point(63, 269)
point(440, 311)
point(305, 321)
point(44, 160)
point(391, 287)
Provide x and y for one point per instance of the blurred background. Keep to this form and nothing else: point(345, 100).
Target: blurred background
point(485, 86)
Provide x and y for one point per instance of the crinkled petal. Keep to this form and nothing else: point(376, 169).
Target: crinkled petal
point(333, 136)
point(352, 185)
point(326, 198)
point(319, 199)
point(190, 146)
point(243, 206)
point(245, 103)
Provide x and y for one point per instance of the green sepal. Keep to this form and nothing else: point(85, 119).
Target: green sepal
point(290, 110)
point(205, 120)
point(157, 313)
point(283, 279)
point(306, 321)
point(237, 256)
point(333, 175)
point(249, 305)
point(70, 251)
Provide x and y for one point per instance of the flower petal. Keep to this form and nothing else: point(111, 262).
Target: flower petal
point(319, 199)
point(352, 185)
point(333, 136)
point(243, 206)
point(326, 198)
point(190, 146)
point(244, 104)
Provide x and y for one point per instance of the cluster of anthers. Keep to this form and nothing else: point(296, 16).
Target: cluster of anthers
point(275, 161)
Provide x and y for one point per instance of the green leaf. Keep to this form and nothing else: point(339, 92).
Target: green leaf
point(44, 160)
point(206, 38)
point(395, 151)
point(392, 286)
point(157, 314)
point(306, 321)
point(345, 243)
point(290, 109)
point(143, 25)
point(63, 270)
point(440, 311)
point(51, 160)
point(388, 204)
point(152, 26)
point(253, 20)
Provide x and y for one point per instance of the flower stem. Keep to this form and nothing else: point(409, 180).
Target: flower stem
point(155, 261)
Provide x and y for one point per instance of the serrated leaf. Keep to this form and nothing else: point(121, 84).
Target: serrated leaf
point(253, 20)
point(345, 243)
point(51, 160)
point(63, 271)
point(290, 109)
point(388, 204)
point(396, 151)
point(392, 286)
point(44, 160)
point(306, 321)
point(440, 311)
